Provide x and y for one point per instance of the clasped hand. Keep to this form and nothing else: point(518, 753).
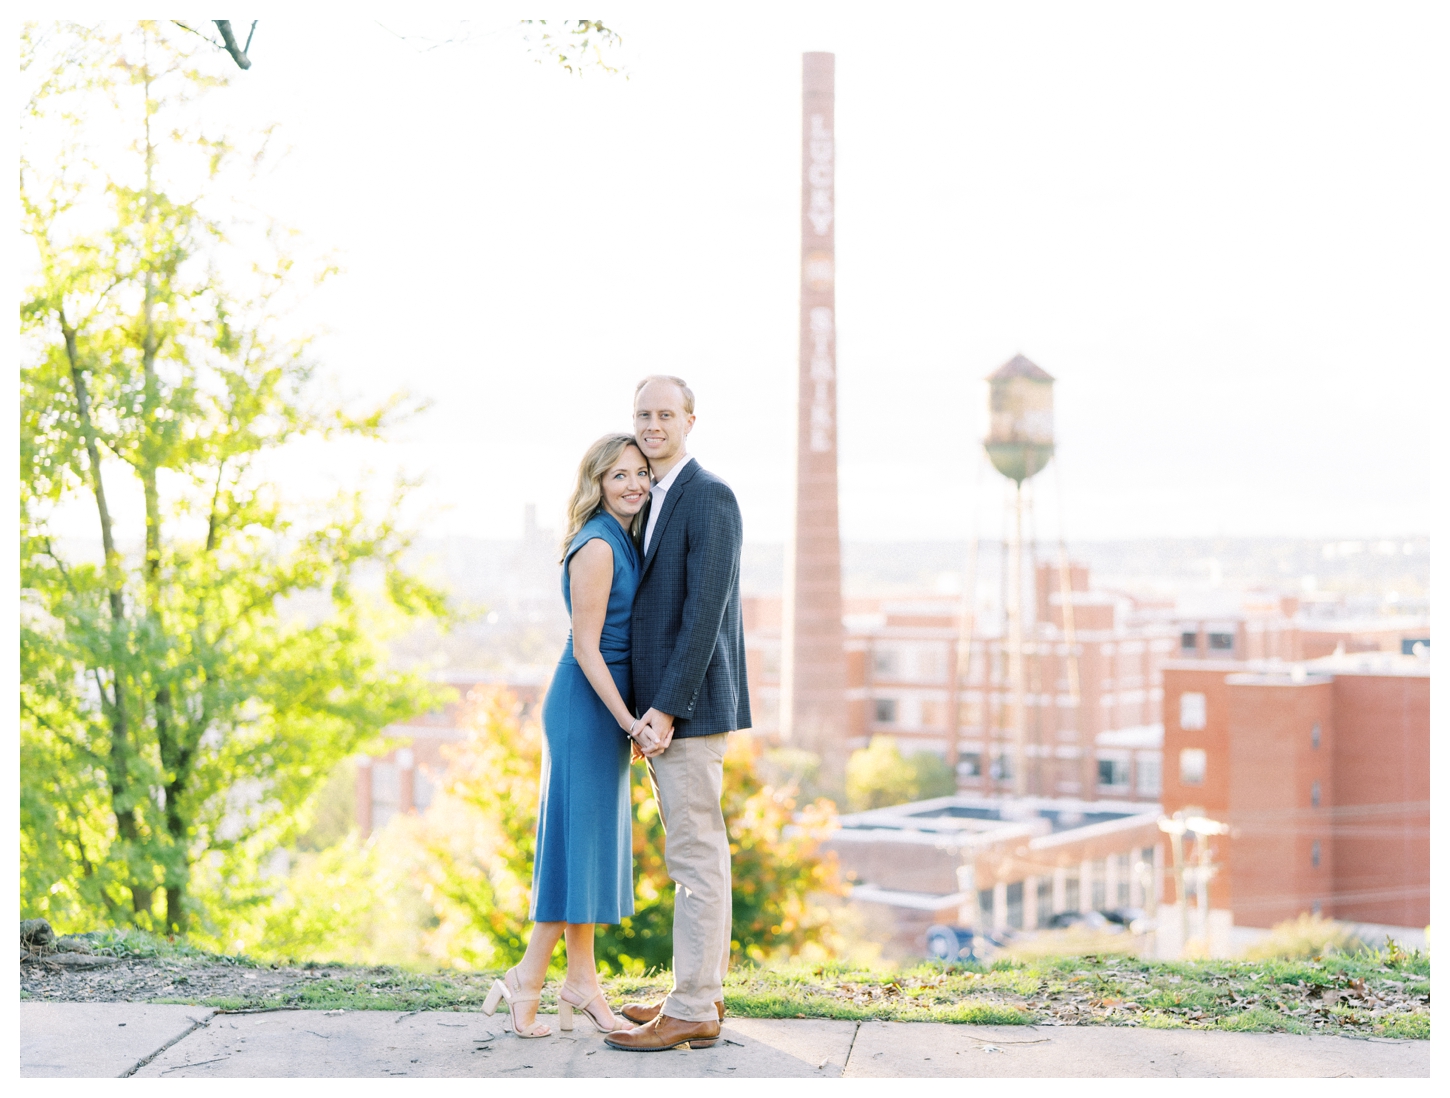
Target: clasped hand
point(653, 734)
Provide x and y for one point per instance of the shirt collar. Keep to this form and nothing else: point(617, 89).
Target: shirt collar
point(663, 486)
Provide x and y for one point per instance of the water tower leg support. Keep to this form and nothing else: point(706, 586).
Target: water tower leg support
point(1015, 655)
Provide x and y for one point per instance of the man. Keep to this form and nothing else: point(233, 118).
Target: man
point(689, 680)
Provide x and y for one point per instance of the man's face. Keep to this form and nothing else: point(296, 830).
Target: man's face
point(660, 421)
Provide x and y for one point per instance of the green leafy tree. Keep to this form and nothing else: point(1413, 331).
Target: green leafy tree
point(182, 697)
point(879, 775)
point(934, 778)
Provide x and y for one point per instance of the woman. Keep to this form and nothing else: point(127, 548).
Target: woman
point(583, 872)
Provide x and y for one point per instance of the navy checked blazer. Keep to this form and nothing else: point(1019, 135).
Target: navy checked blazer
point(688, 645)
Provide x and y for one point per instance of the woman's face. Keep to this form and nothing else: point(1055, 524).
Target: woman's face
point(626, 484)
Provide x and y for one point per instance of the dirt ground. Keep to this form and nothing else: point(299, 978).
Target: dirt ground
point(1371, 995)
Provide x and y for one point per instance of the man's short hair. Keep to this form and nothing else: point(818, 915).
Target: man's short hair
point(679, 381)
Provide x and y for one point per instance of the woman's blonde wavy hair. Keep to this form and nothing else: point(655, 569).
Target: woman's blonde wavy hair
point(588, 497)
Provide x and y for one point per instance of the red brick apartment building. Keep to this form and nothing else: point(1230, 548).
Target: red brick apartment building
point(1322, 771)
point(405, 778)
point(1105, 741)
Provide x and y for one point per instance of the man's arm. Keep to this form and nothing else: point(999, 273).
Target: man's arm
point(711, 565)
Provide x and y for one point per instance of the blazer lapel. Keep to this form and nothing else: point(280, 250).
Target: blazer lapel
point(667, 508)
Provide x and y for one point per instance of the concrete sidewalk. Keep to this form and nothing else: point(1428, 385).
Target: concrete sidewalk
point(121, 1039)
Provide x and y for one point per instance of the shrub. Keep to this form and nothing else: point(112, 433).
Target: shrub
point(775, 867)
point(479, 840)
point(878, 776)
point(1310, 935)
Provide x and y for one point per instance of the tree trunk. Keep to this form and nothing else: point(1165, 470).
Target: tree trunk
point(118, 760)
point(175, 908)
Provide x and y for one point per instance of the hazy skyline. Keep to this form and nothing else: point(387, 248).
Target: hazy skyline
point(1221, 229)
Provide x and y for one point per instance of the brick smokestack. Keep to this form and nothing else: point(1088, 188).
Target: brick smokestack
point(813, 695)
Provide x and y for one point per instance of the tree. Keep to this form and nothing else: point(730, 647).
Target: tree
point(478, 835)
point(878, 775)
point(572, 44)
point(182, 699)
point(228, 40)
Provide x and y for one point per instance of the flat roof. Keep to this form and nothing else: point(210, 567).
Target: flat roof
point(1370, 663)
point(967, 817)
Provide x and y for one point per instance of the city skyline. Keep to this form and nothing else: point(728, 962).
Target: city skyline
point(1220, 244)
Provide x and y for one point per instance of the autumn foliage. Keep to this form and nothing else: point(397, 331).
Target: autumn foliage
point(478, 837)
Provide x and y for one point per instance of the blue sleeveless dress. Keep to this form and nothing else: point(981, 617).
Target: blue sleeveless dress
point(583, 852)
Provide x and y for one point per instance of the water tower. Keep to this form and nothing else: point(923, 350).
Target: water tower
point(1019, 444)
point(1019, 441)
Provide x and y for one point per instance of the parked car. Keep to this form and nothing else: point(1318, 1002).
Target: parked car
point(950, 943)
point(1135, 919)
point(961, 943)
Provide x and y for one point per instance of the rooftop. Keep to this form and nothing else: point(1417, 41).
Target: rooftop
point(1020, 366)
point(1371, 663)
point(965, 817)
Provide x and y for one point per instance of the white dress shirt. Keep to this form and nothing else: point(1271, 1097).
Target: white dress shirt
point(657, 498)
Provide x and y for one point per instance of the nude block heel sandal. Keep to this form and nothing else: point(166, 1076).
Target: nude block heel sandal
point(568, 1004)
point(510, 995)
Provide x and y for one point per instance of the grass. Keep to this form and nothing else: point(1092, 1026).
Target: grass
point(1384, 993)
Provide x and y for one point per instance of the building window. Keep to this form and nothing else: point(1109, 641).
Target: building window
point(1192, 712)
point(1014, 905)
point(970, 765)
point(883, 662)
point(1314, 854)
point(424, 788)
point(1125, 879)
point(1314, 737)
point(1100, 885)
point(1314, 794)
point(1002, 767)
point(1150, 777)
point(984, 907)
point(885, 710)
point(1220, 642)
point(1113, 772)
point(1044, 900)
point(931, 665)
point(385, 790)
point(1192, 765)
point(933, 714)
point(1072, 900)
point(1189, 642)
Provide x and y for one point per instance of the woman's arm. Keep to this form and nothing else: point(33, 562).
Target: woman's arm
point(591, 575)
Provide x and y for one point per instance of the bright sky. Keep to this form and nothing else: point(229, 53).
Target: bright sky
point(1221, 227)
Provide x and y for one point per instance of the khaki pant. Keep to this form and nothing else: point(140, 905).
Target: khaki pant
point(687, 780)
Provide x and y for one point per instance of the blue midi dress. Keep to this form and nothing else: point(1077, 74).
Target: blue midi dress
point(583, 856)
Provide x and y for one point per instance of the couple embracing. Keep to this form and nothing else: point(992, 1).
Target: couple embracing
point(654, 669)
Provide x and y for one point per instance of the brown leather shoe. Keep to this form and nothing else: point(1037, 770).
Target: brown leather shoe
point(640, 1013)
point(664, 1032)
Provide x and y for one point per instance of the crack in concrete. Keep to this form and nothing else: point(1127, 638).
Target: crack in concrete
point(196, 1063)
point(854, 1033)
point(196, 1024)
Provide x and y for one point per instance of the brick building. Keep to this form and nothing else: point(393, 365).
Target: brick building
point(1322, 771)
point(994, 863)
point(1102, 741)
point(405, 778)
